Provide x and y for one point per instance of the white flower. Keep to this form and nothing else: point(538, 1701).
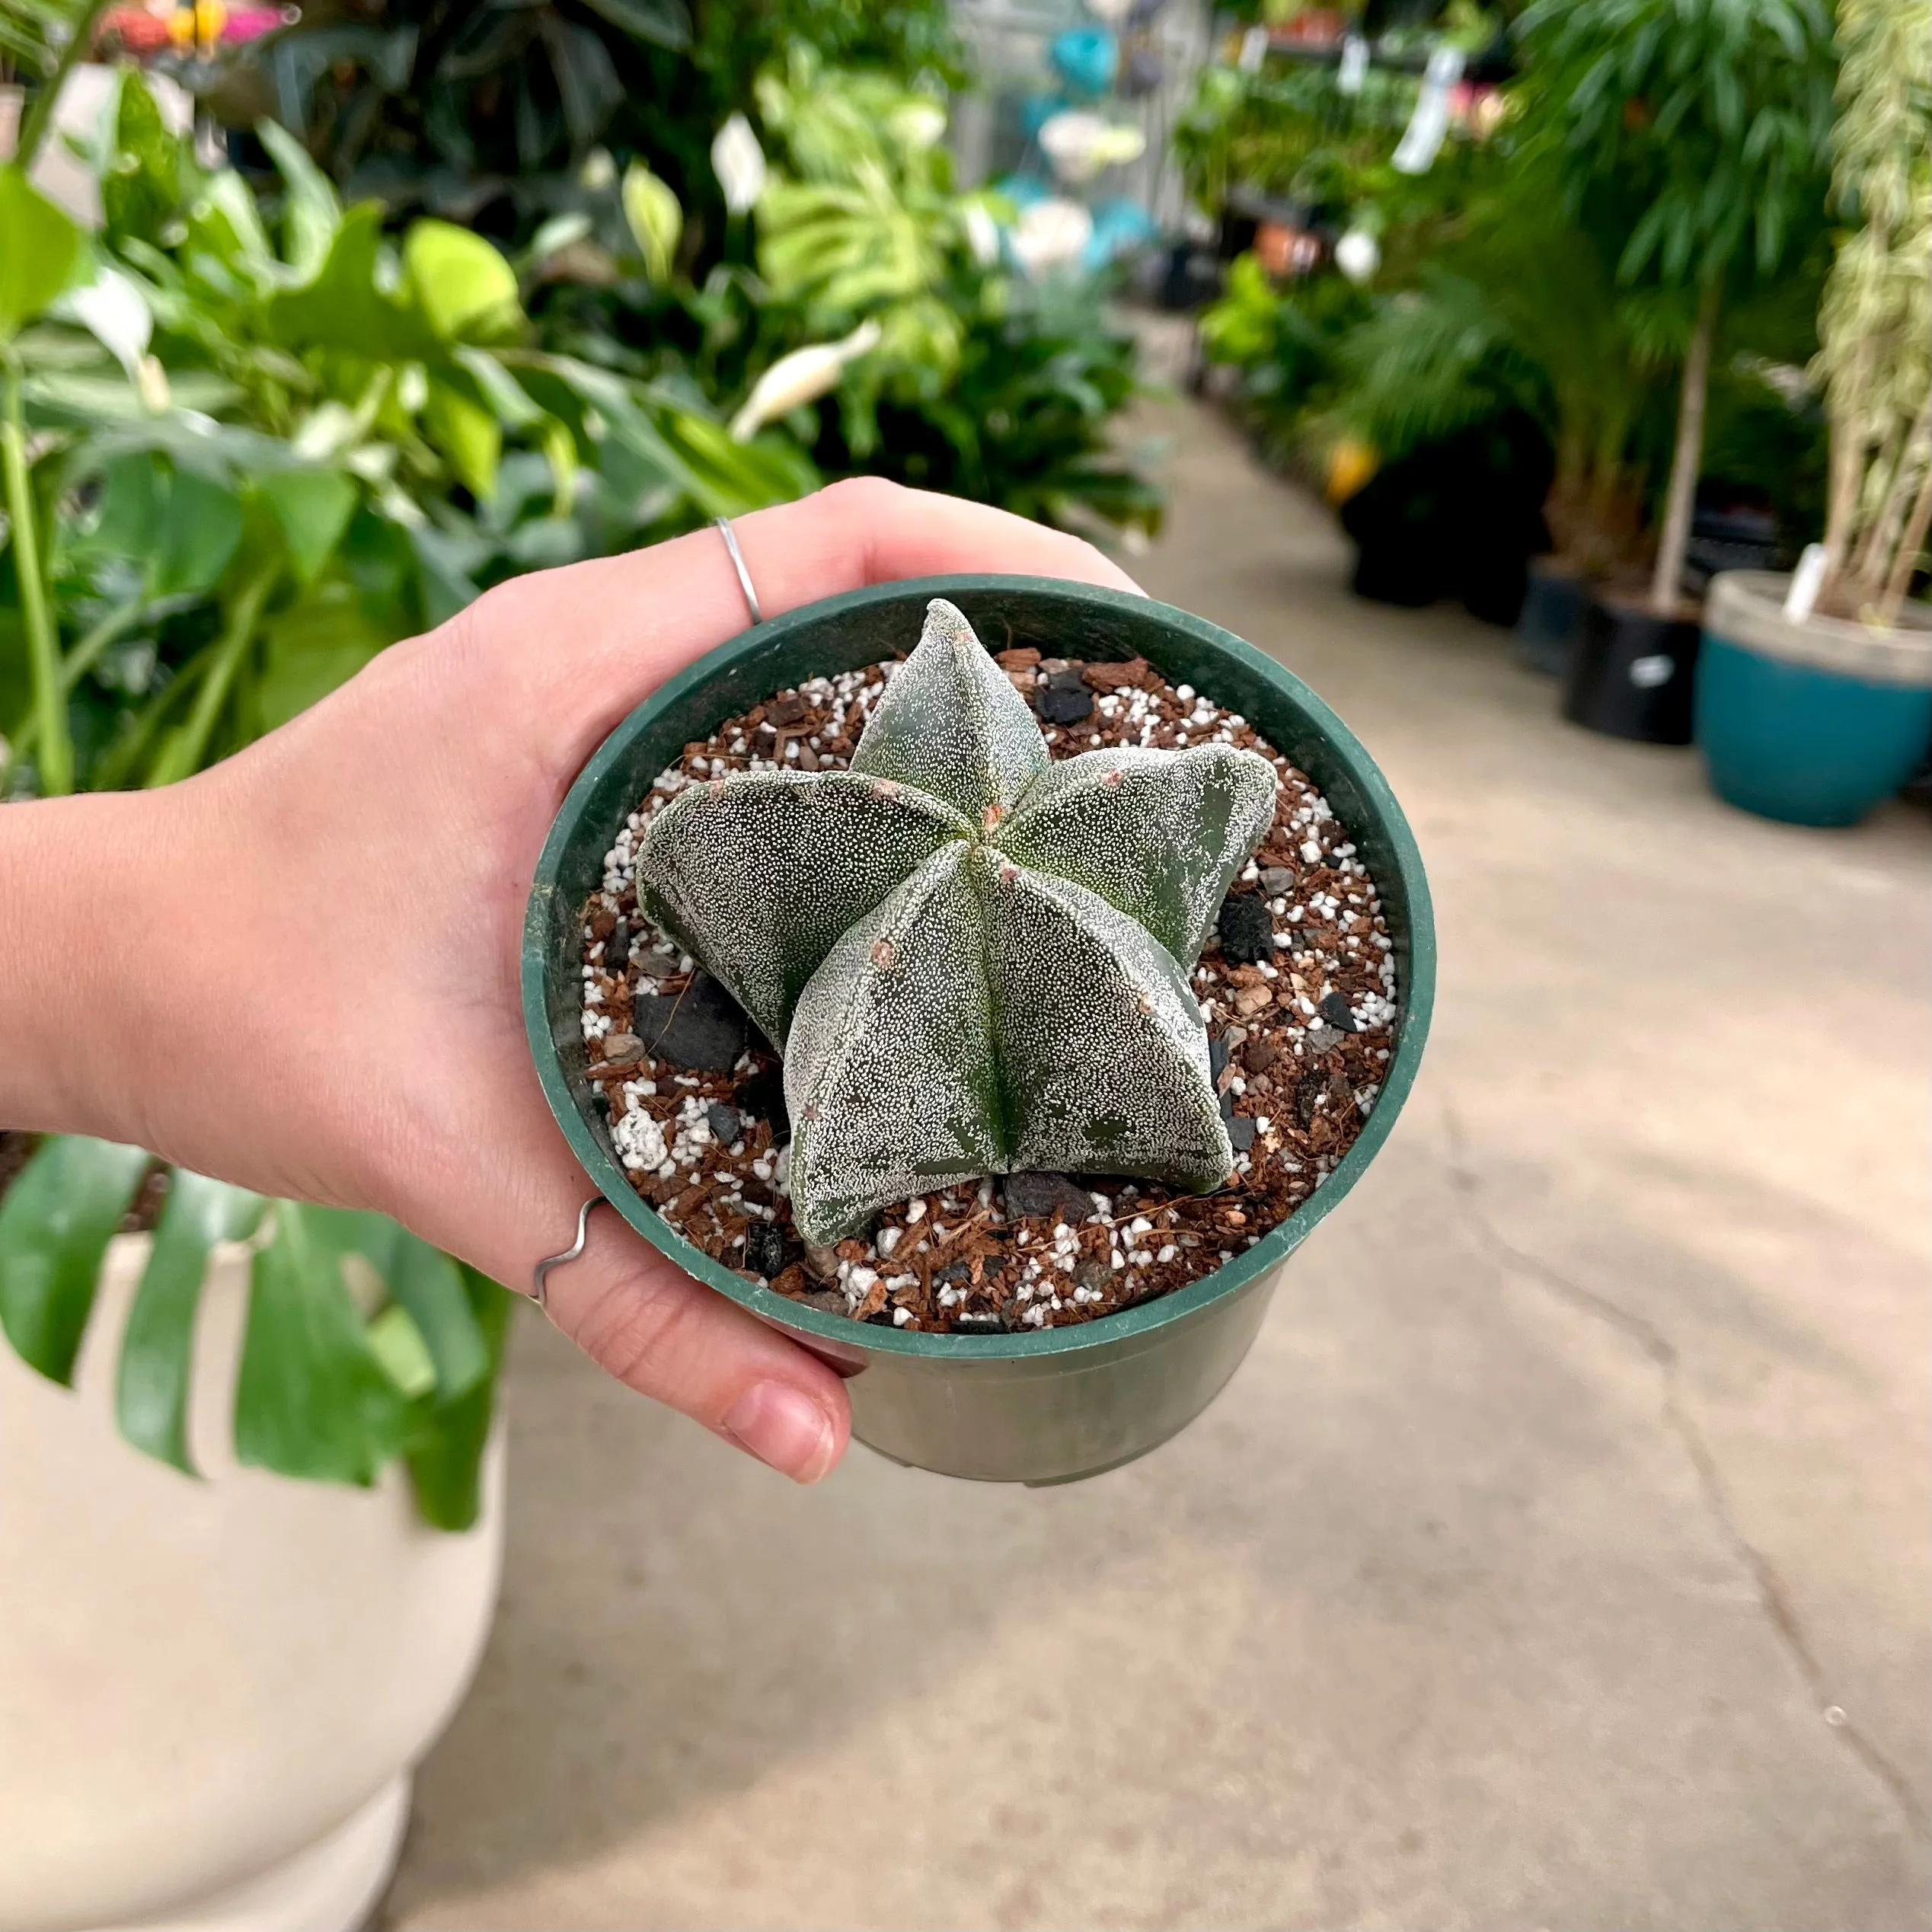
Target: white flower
point(1358, 254)
point(112, 308)
point(800, 377)
point(982, 233)
point(738, 162)
point(1051, 234)
point(918, 124)
point(1080, 144)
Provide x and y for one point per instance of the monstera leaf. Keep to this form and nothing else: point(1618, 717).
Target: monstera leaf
point(974, 959)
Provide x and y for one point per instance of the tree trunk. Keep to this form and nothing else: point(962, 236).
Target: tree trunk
point(1893, 595)
point(1684, 462)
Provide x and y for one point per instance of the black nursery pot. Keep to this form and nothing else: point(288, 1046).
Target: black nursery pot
point(1049, 1405)
point(1634, 673)
point(1551, 623)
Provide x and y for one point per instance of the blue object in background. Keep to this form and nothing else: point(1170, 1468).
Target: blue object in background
point(1120, 228)
point(1086, 59)
point(1023, 190)
point(1036, 110)
point(1811, 747)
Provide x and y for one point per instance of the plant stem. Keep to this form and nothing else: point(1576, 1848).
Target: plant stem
point(56, 759)
point(182, 752)
point(39, 117)
point(1910, 544)
point(81, 659)
point(1685, 460)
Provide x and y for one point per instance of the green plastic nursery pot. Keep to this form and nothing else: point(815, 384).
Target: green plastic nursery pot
point(1056, 1404)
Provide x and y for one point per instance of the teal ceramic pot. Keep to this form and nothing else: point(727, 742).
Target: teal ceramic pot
point(1054, 1405)
point(1811, 722)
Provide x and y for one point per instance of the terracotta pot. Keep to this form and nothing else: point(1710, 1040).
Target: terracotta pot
point(211, 1693)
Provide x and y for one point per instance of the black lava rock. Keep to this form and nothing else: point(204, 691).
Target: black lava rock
point(1033, 1194)
point(978, 1324)
point(1241, 1133)
point(764, 1248)
point(702, 1028)
point(1334, 1009)
point(726, 1124)
point(955, 1274)
point(1309, 1090)
point(1063, 698)
point(617, 949)
point(763, 1097)
point(1217, 1055)
point(1248, 934)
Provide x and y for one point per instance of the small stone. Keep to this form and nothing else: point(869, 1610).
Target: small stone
point(827, 1300)
point(617, 951)
point(726, 1124)
point(1026, 1195)
point(978, 1324)
point(702, 1028)
point(764, 1248)
point(1241, 1133)
point(1323, 1038)
point(1309, 1090)
point(1334, 1008)
point(822, 1263)
point(1251, 999)
point(1277, 881)
point(659, 961)
point(1059, 704)
point(788, 710)
point(622, 1046)
point(1218, 1051)
point(955, 1274)
point(808, 759)
point(1260, 1055)
point(1248, 934)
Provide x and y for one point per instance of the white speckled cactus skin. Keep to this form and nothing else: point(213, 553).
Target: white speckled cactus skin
point(974, 959)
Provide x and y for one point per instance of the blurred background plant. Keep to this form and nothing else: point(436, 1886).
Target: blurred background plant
point(1876, 323)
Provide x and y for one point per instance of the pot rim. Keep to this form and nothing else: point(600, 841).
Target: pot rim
point(1746, 608)
point(1416, 1003)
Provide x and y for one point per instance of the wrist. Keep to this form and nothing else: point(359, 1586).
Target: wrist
point(79, 958)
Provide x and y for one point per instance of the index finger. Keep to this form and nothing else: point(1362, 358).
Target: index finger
point(615, 628)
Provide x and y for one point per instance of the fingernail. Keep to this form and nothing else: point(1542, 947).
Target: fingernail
point(783, 1426)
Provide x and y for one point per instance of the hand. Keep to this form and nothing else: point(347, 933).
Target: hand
point(298, 971)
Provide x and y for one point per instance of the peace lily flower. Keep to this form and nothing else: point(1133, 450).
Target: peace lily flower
point(802, 377)
point(738, 163)
point(1358, 255)
point(982, 233)
point(112, 308)
point(918, 124)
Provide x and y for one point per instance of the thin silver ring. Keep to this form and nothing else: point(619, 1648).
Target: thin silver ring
point(539, 1286)
point(730, 536)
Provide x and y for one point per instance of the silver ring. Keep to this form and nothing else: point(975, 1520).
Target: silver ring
point(539, 1285)
point(730, 536)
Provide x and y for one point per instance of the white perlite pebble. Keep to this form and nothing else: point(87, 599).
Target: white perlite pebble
point(639, 1141)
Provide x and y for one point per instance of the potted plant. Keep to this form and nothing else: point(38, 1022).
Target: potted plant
point(1814, 715)
point(1696, 133)
point(242, 448)
point(946, 1380)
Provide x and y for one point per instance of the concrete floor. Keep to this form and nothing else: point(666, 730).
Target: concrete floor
point(1559, 1557)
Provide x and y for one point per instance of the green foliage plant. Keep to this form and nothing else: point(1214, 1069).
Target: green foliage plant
point(974, 959)
point(245, 447)
point(1876, 321)
point(1697, 133)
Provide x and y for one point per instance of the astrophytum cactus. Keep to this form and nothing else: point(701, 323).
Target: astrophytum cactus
point(974, 959)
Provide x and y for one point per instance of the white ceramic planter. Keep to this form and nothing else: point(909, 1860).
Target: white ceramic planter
point(211, 1693)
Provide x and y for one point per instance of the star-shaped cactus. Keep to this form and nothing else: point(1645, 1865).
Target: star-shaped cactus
point(974, 959)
